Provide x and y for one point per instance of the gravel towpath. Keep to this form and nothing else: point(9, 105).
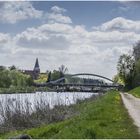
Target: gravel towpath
point(133, 106)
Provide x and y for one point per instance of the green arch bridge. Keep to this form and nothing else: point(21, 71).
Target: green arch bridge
point(94, 85)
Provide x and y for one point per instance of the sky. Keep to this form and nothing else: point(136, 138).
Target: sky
point(84, 36)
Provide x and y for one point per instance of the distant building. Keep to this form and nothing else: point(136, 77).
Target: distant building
point(35, 72)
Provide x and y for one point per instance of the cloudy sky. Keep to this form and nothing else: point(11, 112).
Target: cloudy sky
point(84, 36)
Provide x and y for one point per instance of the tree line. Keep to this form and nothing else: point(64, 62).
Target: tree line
point(12, 77)
point(128, 68)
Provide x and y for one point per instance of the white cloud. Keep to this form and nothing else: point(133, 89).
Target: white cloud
point(58, 42)
point(120, 24)
point(76, 47)
point(5, 45)
point(57, 15)
point(4, 38)
point(12, 12)
point(114, 37)
point(57, 9)
point(48, 36)
point(53, 17)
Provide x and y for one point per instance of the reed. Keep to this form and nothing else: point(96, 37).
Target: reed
point(16, 115)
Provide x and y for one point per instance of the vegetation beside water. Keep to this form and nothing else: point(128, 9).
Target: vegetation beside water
point(13, 80)
point(27, 89)
point(17, 90)
point(129, 69)
point(105, 117)
point(19, 113)
point(135, 92)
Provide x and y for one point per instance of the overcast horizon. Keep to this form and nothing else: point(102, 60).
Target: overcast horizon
point(84, 36)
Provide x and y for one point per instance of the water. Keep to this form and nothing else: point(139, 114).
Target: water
point(50, 98)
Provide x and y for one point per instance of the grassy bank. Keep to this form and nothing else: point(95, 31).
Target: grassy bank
point(30, 89)
point(104, 118)
point(135, 92)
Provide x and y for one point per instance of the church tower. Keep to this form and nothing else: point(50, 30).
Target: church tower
point(36, 69)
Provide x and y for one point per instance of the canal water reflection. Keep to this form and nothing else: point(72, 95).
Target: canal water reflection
point(50, 98)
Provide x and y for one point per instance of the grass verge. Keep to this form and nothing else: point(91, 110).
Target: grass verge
point(135, 92)
point(104, 118)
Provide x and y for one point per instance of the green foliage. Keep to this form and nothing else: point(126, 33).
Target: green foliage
point(118, 79)
point(13, 89)
point(14, 78)
point(5, 80)
point(136, 51)
point(42, 78)
point(55, 75)
point(136, 78)
point(129, 68)
point(75, 80)
point(2, 68)
point(12, 67)
point(105, 118)
point(135, 92)
point(125, 69)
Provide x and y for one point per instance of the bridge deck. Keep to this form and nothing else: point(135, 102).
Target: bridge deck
point(75, 85)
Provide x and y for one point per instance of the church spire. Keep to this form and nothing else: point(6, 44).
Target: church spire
point(36, 64)
point(36, 67)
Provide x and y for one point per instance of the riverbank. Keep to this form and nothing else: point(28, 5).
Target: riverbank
point(104, 117)
point(16, 90)
point(24, 111)
point(135, 92)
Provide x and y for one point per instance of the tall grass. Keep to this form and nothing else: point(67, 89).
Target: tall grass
point(16, 115)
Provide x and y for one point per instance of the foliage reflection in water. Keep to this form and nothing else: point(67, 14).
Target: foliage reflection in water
point(19, 111)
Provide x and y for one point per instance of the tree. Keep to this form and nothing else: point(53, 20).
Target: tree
point(2, 68)
point(129, 68)
point(136, 54)
point(136, 79)
point(12, 67)
point(14, 78)
point(29, 80)
point(125, 69)
point(118, 79)
point(43, 77)
point(136, 51)
point(5, 80)
point(62, 70)
point(49, 77)
point(55, 75)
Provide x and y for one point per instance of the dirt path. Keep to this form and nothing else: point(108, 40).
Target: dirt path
point(133, 106)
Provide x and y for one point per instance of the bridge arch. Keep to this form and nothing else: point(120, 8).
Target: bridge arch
point(79, 74)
